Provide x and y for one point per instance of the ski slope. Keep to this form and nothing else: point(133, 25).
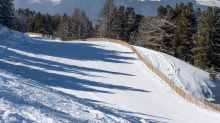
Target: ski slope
point(45, 80)
point(193, 80)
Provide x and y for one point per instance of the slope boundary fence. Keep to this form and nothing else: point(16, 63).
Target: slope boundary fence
point(192, 99)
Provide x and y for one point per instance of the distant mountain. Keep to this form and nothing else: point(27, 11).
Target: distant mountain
point(92, 7)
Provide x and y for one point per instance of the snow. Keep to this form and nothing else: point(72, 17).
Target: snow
point(193, 80)
point(45, 80)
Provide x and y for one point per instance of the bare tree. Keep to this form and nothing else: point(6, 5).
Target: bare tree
point(156, 33)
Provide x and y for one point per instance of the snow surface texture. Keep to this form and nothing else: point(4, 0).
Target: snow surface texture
point(193, 80)
point(54, 81)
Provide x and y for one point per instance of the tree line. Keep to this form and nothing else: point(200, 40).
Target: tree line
point(188, 34)
point(191, 35)
point(117, 23)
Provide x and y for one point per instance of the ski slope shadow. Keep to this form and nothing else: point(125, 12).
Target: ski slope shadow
point(42, 61)
point(32, 96)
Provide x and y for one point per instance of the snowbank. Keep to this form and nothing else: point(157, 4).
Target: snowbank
point(10, 38)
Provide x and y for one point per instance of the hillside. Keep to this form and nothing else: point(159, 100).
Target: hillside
point(45, 80)
point(192, 80)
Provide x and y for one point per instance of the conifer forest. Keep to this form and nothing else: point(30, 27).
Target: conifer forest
point(192, 35)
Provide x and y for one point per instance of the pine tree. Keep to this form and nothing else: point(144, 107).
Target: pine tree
point(96, 31)
point(182, 41)
point(31, 25)
point(177, 11)
point(198, 12)
point(6, 13)
point(41, 25)
point(169, 12)
point(161, 11)
point(114, 24)
point(76, 18)
point(57, 19)
point(212, 73)
point(66, 28)
point(207, 50)
point(84, 20)
point(38, 24)
point(130, 22)
point(104, 18)
point(120, 29)
point(90, 30)
point(47, 25)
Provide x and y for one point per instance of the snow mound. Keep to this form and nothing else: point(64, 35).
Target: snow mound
point(10, 38)
point(192, 80)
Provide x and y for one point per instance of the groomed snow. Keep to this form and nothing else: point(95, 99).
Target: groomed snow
point(44, 80)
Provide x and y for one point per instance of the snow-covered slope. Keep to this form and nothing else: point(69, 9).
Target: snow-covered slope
point(25, 100)
point(193, 80)
point(44, 80)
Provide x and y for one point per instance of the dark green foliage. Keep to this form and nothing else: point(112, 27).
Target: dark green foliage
point(133, 37)
point(6, 13)
point(207, 42)
point(212, 73)
point(130, 22)
point(120, 22)
point(161, 11)
point(182, 42)
point(198, 12)
point(114, 24)
point(177, 11)
point(31, 25)
point(90, 30)
point(57, 19)
point(169, 12)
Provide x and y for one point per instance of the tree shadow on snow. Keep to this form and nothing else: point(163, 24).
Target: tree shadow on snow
point(58, 74)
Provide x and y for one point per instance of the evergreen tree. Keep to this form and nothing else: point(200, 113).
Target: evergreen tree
point(169, 12)
point(212, 73)
point(39, 22)
point(57, 19)
point(104, 18)
point(120, 22)
point(177, 11)
point(83, 25)
point(89, 28)
point(182, 41)
point(114, 24)
point(207, 50)
point(161, 11)
point(96, 31)
point(66, 28)
point(198, 12)
point(130, 22)
point(41, 25)
point(31, 25)
point(6, 13)
point(76, 18)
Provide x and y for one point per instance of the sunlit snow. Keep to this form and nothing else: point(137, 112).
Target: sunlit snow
point(46, 80)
